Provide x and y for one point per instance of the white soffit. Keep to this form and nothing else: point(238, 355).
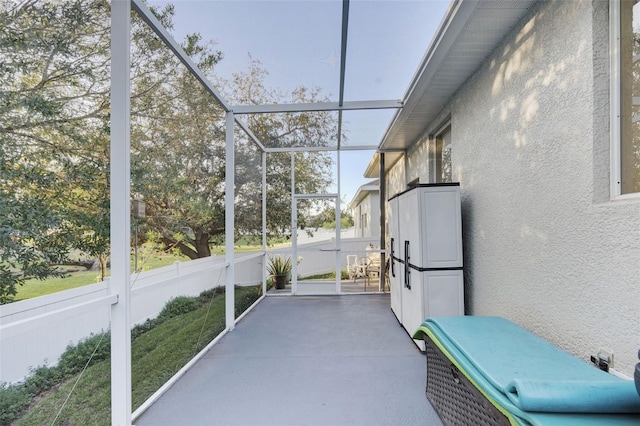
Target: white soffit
point(390, 158)
point(470, 31)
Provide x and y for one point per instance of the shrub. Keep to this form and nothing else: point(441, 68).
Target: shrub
point(75, 357)
point(178, 306)
point(207, 295)
point(246, 299)
point(140, 329)
point(13, 401)
point(41, 379)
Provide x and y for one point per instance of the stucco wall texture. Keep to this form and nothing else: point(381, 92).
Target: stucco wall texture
point(370, 207)
point(543, 244)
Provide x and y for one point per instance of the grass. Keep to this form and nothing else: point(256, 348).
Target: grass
point(156, 355)
point(330, 275)
point(250, 246)
point(34, 287)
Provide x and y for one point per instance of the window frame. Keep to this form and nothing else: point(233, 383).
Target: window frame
point(615, 107)
point(438, 150)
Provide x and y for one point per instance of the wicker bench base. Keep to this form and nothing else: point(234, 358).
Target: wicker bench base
point(456, 400)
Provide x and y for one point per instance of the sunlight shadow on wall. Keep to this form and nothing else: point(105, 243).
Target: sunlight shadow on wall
point(517, 57)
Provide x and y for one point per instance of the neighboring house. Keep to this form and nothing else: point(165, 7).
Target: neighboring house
point(365, 209)
point(531, 109)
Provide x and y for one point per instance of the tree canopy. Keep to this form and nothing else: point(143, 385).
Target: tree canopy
point(54, 140)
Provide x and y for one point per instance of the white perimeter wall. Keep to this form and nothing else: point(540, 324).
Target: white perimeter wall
point(544, 245)
point(315, 261)
point(36, 331)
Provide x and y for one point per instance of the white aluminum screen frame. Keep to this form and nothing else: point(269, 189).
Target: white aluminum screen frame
point(120, 179)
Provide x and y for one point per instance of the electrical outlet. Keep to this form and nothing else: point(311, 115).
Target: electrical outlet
point(606, 354)
point(603, 359)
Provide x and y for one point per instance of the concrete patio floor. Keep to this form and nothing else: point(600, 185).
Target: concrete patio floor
point(305, 360)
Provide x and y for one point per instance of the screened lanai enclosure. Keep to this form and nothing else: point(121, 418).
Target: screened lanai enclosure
point(284, 162)
point(199, 201)
point(269, 148)
point(121, 142)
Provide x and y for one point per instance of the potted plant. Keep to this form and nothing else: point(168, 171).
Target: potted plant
point(279, 268)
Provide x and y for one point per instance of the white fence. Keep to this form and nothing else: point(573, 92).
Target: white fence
point(318, 258)
point(37, 331)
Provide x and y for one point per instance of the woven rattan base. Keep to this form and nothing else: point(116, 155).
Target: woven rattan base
point(456, 400)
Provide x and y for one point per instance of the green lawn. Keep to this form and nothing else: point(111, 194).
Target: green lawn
point(35, 288)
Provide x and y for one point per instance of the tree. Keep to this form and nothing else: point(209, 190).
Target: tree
point(181, 160)
point(327, 219)
point(54, 78)
point(54, 128)
point(300, 129)
point(54, 139)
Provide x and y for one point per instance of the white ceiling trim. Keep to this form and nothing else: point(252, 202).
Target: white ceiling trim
point(470, 31)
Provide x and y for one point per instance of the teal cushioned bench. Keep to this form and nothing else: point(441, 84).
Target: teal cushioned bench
point(518, 378)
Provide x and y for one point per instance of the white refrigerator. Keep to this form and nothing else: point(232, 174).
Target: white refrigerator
point(426, 277)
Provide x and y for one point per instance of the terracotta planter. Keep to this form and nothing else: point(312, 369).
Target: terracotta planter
point(280, 280)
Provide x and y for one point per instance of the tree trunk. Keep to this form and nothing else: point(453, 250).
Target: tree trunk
point(103, 266)
point(201, 243)
point(200, 246)
point(89, 264)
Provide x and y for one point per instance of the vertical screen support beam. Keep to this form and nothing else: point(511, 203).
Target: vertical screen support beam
point(264, 222)
point(229, 222)
point(294, 227)
point(383, 220)
point(343, 64)
point(120, 213)
point(338, 215)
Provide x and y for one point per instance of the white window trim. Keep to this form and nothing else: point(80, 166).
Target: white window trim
point(438, 136)
point(433, 140)
point(614, 90)
point(615, 104)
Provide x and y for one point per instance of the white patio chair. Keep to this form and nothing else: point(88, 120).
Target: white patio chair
point(352, 266)
point(372, 269)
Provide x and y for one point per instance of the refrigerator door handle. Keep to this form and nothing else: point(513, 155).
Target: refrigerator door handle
point(393, 260)
point(407, 268)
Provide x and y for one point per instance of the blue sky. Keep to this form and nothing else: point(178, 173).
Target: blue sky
point(298, 42)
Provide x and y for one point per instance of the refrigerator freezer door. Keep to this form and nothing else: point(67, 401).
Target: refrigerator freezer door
point(395, 277)
point(442, 295)
point(441, 228)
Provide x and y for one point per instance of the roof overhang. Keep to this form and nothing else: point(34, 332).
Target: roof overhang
point(390, 158)
point(363, 192)
point(469, 32)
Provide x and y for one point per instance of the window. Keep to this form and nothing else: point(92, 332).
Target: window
point(443, 155)
point(625, 97)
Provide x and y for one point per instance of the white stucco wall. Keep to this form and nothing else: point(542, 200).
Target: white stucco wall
point(395, 178)
point(374, 215)
point(418, 164)
point(544, 246)
point(369, 206)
